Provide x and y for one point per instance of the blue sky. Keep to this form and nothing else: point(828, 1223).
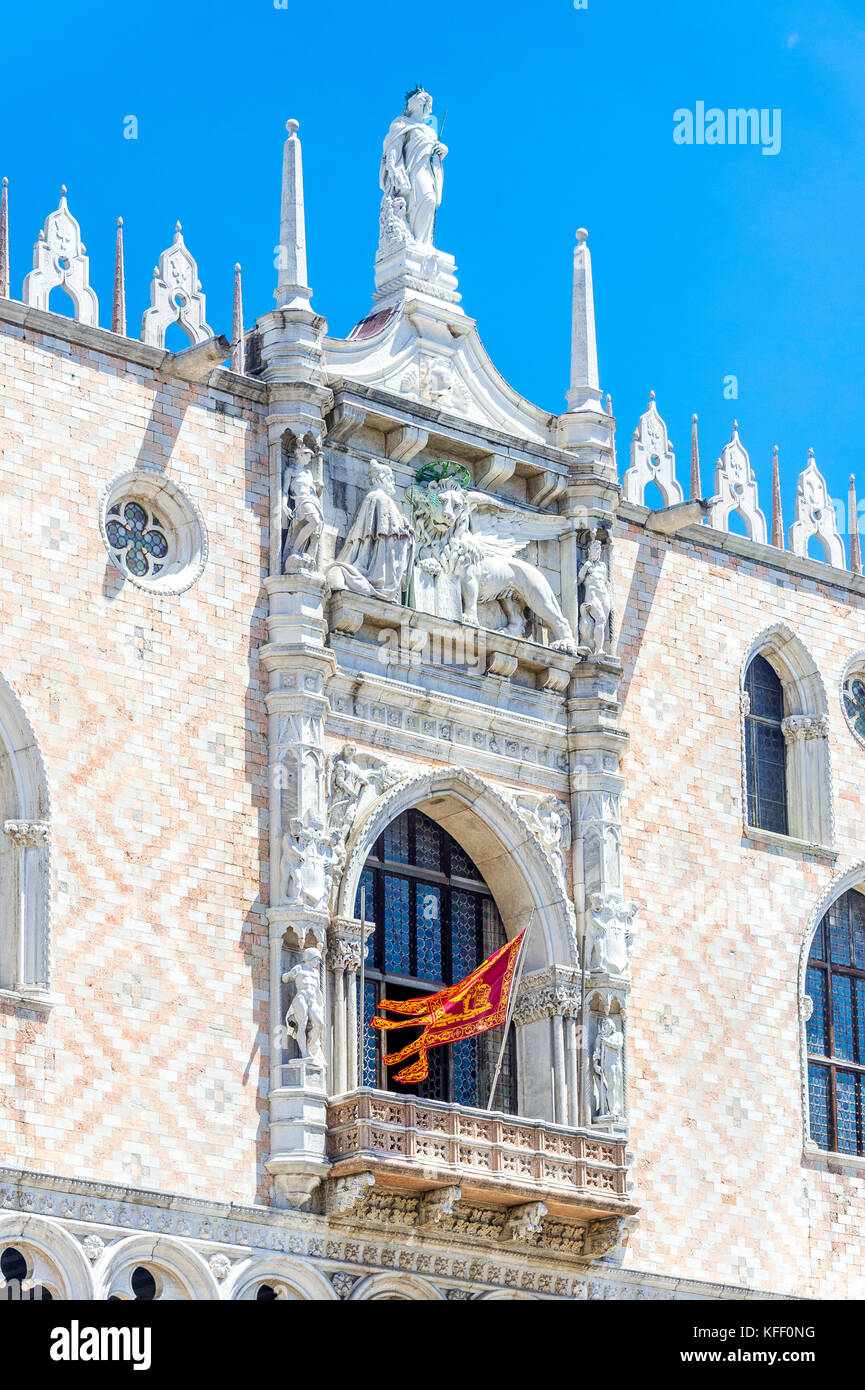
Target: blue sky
point(709, 261)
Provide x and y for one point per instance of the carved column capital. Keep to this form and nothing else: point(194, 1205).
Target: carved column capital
point(550, 993)
point(28, 834)
point(343, 943)
point(804, 726)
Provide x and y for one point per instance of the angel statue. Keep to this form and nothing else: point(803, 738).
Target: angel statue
point(411, 168)
point(459, 540)
point(377, 555)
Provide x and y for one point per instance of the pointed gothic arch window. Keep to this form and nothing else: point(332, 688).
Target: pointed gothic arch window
point(788, 786)
point(435, 921)
point(765, 750)
point(24, 855)
point(835, 984)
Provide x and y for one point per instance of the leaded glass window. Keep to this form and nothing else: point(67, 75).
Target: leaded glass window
point(138, 539)
point(435, 921)
point(765, 749)
point(835, 983)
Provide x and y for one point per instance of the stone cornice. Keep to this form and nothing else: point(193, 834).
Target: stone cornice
point(115, 345)
point(768, 556)
point(114, 1210)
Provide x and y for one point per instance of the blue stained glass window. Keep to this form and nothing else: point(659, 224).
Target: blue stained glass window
point(430, 933)
point(857, 923)
point(818, 1090)
point(461, 865)
point(842, 1013)
point(428, 837)
point(464, 934)
point(396, 840)
point(465, 1064)
point(137, 539)
point(368, 1077)
point(837, 920)
point(765, 749)
point(837, 1027)
point(428, 918)
point(846, 1085)
point(854, 704)
point(397, 926)
point(818, 1037)
point(366, 881)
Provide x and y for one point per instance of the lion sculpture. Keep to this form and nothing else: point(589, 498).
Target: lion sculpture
point(446, 517)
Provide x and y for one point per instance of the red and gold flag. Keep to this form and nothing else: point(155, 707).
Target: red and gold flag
point(477, 1003)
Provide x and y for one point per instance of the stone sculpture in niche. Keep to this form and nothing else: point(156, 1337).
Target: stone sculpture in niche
point(608, 1080)
point(411, 172)
point(307, 861)
point(597, 604)
point(463, 565)
point(304, 1020)
point(611, 935)
point(377, 555)
point(302, 509)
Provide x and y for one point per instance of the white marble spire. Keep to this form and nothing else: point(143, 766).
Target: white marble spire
point(584, 393)
point(292, 291)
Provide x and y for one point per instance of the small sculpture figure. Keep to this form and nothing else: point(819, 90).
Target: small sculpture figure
point(307, 862)
point(411, 168)
point(347, 785)
point(608, 1071)
point(377, 555)
point(301, 494)
point(304, 1020)
point(611, 935)
point(597, 603)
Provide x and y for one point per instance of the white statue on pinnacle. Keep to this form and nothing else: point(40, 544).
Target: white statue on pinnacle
point(411, 169)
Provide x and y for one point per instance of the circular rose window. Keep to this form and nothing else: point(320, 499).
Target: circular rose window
point(152, 531)
point(853, 696)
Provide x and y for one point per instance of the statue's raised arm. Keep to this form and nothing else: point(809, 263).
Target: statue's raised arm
point(411, 169)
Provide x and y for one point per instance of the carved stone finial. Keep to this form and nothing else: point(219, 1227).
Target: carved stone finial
point(292, 289)
point(175, 297)
point(815, 516)
point(696, 483)
point(583, 393)
point(237, 345)
point(118, 307)
point(4, 241)
point(777, 514)
point(855, 543)
point(59, 260)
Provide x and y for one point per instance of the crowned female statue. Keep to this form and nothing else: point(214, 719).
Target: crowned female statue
point(377, 556)
point(411, 167)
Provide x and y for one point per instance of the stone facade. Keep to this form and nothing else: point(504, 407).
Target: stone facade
point(255, 616)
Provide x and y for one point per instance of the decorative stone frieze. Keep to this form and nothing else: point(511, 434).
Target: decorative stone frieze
point(736, 491)
point(523, 1223)
point(175, 297)
point(815, 516)
point(652, 460)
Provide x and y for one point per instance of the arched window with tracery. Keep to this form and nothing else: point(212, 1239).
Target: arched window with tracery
point(835, 983)
point(765, 748)
point(435, 921)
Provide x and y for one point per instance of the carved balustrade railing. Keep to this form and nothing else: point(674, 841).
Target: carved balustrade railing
point(417, 1143)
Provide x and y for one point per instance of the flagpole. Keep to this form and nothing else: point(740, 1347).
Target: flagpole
point(511, 1004)
point(362, 990)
